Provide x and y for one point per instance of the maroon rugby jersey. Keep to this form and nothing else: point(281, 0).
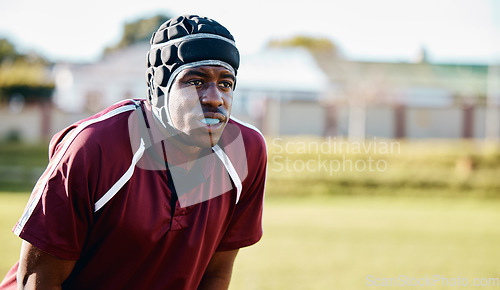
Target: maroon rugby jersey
point(104, 200)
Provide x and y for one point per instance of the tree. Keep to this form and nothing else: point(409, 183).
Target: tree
point(23, 74)
point(138, 31)
point(8, 53)
point(7, 50)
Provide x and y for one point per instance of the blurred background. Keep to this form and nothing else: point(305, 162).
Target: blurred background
point(382, 120)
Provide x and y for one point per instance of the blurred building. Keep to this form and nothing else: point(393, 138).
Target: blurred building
point(292, 92)
point(95, 86)
point(409, 100)
point(279, 91)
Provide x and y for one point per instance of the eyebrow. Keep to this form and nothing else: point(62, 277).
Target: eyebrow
point(229, 76)
point(194, 73)
point(202, 74)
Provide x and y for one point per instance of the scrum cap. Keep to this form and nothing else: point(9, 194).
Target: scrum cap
point(184, 42)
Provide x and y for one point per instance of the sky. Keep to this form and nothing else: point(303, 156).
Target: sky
point(452, 31)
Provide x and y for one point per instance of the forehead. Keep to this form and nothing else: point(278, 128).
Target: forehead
point(207, 70)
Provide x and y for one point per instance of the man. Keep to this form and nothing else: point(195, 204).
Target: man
point(151, 194)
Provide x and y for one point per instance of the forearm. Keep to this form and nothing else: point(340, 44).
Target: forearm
point(219, 270)
point(35, 281)
point(39, 270)
point(215, 283)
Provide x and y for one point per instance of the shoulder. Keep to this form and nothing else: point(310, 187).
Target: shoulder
point(109, 126)
point(254, 140)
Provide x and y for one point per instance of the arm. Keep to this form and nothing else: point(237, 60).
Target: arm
point(39, 270)
point(218, 273)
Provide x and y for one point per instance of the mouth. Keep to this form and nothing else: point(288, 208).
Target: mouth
point(212, 120)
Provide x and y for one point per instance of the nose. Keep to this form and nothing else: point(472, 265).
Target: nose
point(212, 96)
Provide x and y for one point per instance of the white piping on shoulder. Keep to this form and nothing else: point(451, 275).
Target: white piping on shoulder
point(57, 159)
point(248, 126)
point(121, 182)
point(230, 169)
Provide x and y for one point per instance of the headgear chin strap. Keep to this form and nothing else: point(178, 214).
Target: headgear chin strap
point(182, 43)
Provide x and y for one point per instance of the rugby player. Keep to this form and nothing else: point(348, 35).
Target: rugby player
point(154, 193)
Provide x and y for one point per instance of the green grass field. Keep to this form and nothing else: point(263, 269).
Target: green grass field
point(335, 242)
point(434, 210)
point(11, 208)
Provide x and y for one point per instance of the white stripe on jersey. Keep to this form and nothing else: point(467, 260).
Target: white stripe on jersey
point(138, 154)
point(258, 131)
point(128, 174)
point(230, 169)
point(57, 158)
point(121, 182)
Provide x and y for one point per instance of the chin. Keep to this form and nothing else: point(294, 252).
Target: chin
point(201, 138)
point(206, 141)
point(212, 141)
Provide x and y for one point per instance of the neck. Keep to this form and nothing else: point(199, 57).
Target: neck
point(182, 154)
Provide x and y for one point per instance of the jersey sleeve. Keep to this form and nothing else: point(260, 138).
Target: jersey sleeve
point(245, 228)
point(59, 212)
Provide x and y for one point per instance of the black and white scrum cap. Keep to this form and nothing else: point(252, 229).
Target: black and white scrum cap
point(185, 42)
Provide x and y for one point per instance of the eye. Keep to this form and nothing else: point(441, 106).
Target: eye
point(226, 84)
point(195, 82)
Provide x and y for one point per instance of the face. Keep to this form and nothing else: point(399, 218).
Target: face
point(199, 104)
